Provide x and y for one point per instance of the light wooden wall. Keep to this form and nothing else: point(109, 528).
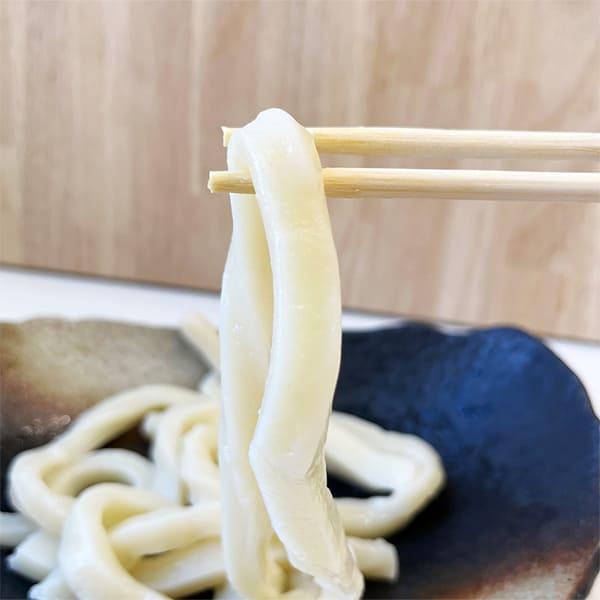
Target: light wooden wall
point(110, 115)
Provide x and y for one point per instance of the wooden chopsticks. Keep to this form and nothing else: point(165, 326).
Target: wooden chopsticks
point(442, 183)
point(451, 143)
point(438, 183)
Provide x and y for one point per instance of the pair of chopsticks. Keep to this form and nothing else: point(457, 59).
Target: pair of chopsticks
point(445, 183)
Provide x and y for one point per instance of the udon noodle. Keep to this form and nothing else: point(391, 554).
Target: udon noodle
point(233, 496)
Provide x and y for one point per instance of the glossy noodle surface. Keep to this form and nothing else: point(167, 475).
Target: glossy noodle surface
point(280, 353)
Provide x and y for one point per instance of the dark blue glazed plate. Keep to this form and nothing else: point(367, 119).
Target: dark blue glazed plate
point(519, 517)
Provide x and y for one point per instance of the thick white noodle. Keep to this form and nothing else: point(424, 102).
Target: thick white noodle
point(198, 464)
point(164, 530)
point(29, 491)
point(35, 557)
point(184, 571)
point(211, 385)
point(53, 587)
point(86, 557)
point(246, 328)
point(14, 528)
point(101, 466)
point(380, 460)
point(203, 337)
point(377, 559)
point(167, 447)
point(280, 353)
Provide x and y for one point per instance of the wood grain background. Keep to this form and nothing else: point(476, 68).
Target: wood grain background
point(110, 115)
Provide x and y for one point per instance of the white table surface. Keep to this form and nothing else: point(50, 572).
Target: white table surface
point(27, 294)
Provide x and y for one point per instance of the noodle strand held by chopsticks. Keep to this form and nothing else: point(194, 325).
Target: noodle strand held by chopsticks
point(280, 353)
